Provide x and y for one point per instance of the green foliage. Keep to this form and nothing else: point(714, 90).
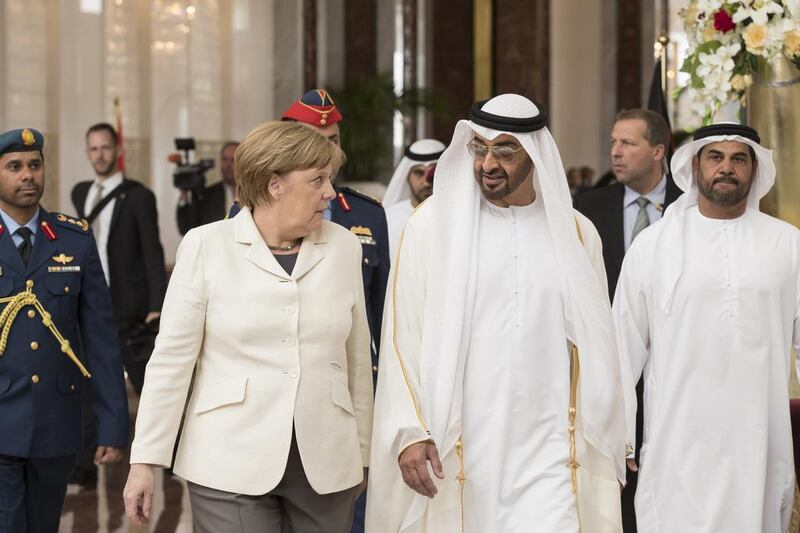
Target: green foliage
point(368, 109)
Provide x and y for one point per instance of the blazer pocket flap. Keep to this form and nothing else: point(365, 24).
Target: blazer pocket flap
point(218, 394)
point(341, 396)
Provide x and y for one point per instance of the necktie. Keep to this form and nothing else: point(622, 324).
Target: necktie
point(27, 245)
point(642, 219)
point(98, 197)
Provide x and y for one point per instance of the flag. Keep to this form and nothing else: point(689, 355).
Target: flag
point(657, 102)
point(120, 142)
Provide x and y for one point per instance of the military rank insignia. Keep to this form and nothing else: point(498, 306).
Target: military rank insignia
point(82, 223)
point(28, 138)
point(364, 234)
point(64, 260)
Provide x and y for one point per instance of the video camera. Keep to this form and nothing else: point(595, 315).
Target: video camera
point(189, 176)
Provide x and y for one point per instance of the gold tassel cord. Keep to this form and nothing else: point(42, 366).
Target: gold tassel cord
point(13, 306)
point(573, 460)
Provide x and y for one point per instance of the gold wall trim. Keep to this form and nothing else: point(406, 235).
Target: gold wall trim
point(482, 25)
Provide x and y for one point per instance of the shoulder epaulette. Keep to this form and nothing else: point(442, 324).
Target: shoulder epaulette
point(361, 195)
point(81, 225)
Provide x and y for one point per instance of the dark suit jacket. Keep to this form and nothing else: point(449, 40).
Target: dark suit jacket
point(206, 207)
point(40, 387)
point(137, 277)
point(603, 206)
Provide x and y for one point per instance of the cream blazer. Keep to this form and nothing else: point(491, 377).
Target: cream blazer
point(269, 351)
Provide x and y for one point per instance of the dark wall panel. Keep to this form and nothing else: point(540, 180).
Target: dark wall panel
point(522, 49)
point(452, 51)
point(629, 54)
point(360, 29)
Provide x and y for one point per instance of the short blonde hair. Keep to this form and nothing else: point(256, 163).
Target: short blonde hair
point(276, 148)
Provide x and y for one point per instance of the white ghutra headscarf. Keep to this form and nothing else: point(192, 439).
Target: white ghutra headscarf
point(422, 152)
point(672, 234)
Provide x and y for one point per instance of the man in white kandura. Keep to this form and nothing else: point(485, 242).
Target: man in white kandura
point(711, 323)
point(411, 184)
point(491, 288)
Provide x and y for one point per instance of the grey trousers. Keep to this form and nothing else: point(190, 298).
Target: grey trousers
point(291, 507)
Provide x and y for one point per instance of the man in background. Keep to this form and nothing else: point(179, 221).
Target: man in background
point(212, 203)
point(411, 184)
point(122, 213)
point(639, 140)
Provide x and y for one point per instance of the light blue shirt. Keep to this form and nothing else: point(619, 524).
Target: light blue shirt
point(11, 226)
point(630, 209)
point(327, 213)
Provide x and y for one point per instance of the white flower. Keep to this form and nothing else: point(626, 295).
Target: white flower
point(721, 61)
point(760, 14)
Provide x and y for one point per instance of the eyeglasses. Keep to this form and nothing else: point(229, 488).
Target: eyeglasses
point(503, 153)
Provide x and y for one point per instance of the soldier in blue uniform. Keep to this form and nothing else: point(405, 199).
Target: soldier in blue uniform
point(57, 338)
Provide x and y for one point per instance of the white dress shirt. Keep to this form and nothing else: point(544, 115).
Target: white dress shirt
point(630, 210)
point(103, 221)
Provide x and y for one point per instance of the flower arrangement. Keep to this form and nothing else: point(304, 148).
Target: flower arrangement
point(725, 40)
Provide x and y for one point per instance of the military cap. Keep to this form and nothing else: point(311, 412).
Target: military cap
point(21, 140)
point(316, 107)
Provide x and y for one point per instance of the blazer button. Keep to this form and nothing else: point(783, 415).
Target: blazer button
point(292, 374)
point(35, 378)
point(374, 368)
point(34, 345)
point(366, 260)
point(31, 313)
point(66, 289)
point(29, 284)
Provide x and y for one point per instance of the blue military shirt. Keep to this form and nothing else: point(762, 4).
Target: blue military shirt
point(40, 387)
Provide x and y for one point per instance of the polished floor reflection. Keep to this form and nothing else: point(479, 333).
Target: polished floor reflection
point(101, 510)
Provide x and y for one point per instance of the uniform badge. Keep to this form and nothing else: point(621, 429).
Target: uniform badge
point(343, 203)
point(82, 223)
point(63, 259)
point(48, 231)
point(28, 138)
point(364, 235)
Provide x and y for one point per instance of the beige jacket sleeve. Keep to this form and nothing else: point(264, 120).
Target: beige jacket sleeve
point(169, 371)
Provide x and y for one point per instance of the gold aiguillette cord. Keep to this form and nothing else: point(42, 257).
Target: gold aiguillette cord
point(13, 306)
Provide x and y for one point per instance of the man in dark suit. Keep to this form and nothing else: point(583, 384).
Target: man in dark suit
point(196, 208)
point(60, 344)
point(122, 213)
point(639, 140)
point(126, 230)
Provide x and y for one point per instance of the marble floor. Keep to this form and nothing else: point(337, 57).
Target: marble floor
point(102, 510)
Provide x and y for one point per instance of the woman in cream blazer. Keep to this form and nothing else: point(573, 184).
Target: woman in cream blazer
point(267, 310)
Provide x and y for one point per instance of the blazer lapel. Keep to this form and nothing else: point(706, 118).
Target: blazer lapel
point(311, 253)
point(246, 232)
point(10, 254)
point(617, 244)
point(81, 192)
point(119, 201)
point(43, 248)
